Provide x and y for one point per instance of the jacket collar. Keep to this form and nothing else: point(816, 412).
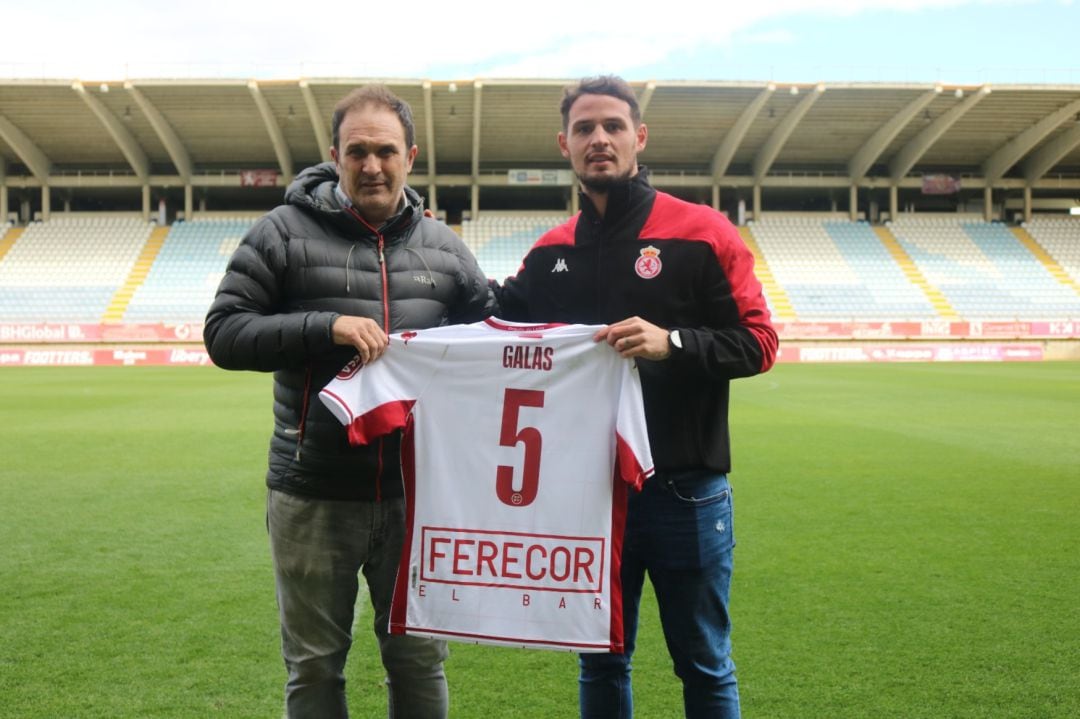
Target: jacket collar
point(623, 197)
point(316, 190)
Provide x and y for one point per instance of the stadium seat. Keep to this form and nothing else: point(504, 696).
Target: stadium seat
point(67, 269)
point(185, 275)
point(500, 240)
point(983, 269)
point(835, 269)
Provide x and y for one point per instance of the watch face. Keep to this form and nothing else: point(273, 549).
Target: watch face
point(676, 338)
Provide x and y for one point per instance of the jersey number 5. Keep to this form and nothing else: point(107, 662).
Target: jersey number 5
point(511, 436)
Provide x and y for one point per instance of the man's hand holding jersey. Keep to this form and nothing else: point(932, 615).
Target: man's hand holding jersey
point(634, 337)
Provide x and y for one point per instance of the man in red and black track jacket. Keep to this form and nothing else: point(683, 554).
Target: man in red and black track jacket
point(674, 284)
point(678, 266)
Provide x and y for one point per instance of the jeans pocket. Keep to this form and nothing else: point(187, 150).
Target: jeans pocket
point(698, 492)
point(691, 522)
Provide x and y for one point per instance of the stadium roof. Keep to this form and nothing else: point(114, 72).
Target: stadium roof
point(729, 134)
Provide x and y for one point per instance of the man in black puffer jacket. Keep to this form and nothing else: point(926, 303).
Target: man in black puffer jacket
point(316, 282)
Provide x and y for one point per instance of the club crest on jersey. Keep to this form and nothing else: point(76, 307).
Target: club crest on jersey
point(649, 264)
point(352, 368)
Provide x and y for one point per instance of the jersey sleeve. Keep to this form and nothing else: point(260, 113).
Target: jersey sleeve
point(634, 456)
point(376, 399)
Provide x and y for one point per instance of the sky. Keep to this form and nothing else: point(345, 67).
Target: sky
point(950, 41)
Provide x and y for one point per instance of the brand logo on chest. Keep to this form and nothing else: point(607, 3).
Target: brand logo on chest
point(648, 265)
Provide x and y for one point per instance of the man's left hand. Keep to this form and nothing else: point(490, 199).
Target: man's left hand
point(634, 337)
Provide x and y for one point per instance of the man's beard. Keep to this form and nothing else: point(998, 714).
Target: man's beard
point(603, 185)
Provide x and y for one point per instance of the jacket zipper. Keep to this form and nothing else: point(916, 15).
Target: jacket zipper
point(385, 287)
point(303, 412)
point(599, 238)
point(386, 326)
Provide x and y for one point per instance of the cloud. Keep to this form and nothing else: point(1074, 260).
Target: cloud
point(271, 38)
point(771, 37)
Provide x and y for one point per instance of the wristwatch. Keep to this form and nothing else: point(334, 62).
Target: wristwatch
point(675, 340)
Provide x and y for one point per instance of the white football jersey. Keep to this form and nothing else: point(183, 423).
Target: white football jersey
point(520, 443)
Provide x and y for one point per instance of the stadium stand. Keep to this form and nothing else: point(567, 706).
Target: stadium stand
point(68, 269)
point(815, 267)
point(500, 240)
point(5, 241)
point(834, 269)
point(1059, 236)
point(186, 272)
point(775, 296)
point(983, 268)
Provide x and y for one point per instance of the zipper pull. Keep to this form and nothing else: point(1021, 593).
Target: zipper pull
point(382, 258)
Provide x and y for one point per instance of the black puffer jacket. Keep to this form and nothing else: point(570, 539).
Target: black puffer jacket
point(298, 269)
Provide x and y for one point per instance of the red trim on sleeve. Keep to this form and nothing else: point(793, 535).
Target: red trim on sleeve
point(382, 420)
point(628, 468)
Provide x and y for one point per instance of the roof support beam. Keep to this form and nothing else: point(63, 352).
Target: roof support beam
point(277, 137)
point(1039, 162)
point(429, 129)
point(861, 162)
point(722, 159)
point(129, 146)
point(429, 139)
point(179, 155)
point(646, 98)
point(904, 160)
point(28, 152)
point(318, 122)
point(1010, 153)
point(768, 152)
point(474, 205)
point(478, 105)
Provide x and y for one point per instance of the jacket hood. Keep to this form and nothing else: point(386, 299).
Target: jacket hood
point(313, 190)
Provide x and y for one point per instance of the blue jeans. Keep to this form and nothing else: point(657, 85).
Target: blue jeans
point(679, 530)
point(319, 547)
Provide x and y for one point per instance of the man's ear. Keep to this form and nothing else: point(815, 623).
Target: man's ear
point(561, 140)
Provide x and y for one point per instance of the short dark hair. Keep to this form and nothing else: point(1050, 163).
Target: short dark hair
point(373, 95)
point(612, 85)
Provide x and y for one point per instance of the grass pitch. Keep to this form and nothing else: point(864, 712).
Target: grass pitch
point(907, 547)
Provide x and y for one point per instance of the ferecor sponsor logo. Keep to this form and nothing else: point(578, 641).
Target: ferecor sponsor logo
point(512, 559)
